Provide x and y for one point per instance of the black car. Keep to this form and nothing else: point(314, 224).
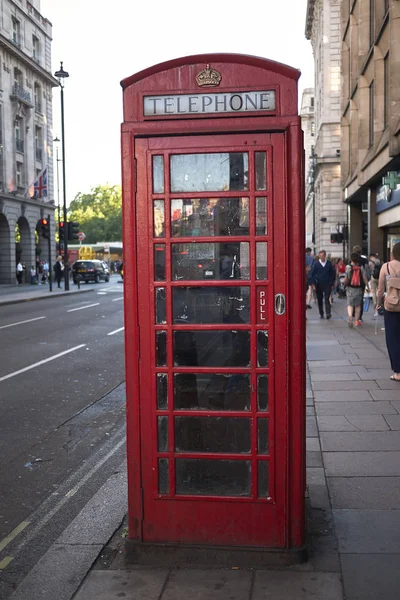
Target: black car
point(90, 270)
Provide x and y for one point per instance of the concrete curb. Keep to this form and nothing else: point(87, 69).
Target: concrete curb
point(50, 295)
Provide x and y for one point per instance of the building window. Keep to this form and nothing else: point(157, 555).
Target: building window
point(35, 47)
point(312, 128)
point(371, 114)
point(312, 101)
point(19, 140)
point(38, 143)
point(16, 31)
point(20, 167)
point(18, 79)
point(371, 22)
point(37, 91)
point(386, 90)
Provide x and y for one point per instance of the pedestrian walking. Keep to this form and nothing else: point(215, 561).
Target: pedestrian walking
point(58, 271)
point(355, 282)
point(20, 271)
point(323, 278)
point(33, 275)
point(375, 268)
point(363, 262)
point(309, 286)
point(388, 296)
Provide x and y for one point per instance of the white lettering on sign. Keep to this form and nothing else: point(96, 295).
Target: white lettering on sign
point(262, 299)
point(191, 104)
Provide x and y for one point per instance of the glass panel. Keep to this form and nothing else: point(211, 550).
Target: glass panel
point(212, 434)
point(159, 262)
point(161, 306)
point(212, 348)
point(163, 476)
point(162, 434)
point(262, 393)
point(209, 216)
point(211, 305)
point(211, 391)
point(162, 391)
point(263, 479)
point(262, 348)
point(261, 216)
point(261, 171)
point(158, 174)
point(202, 477)
point(263, 436)
point(210, 261)
point(161, 348)
point(219, 172)
point(159, 218)
point(261, 260)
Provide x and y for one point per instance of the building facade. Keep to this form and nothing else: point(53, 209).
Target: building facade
point(25, 134)
point(370, 120)
point(323, 30)
point(308, 127)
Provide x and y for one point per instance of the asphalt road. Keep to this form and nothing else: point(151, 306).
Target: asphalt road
point(60, 360)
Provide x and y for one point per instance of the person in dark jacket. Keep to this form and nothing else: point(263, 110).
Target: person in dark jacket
point(323, 278)
point(58, 271)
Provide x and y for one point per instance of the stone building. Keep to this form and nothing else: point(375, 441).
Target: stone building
point(323, 30)
point(370, 119)
point(25, 133)
point(308, 127)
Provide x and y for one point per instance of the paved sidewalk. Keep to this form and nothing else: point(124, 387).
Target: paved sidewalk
point(353, 473)
point(14, 294)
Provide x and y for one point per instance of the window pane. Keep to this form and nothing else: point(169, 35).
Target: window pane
point(163, 476)
point(210, 261)
point(262, 392)
point(161, 306)
point(262, 348)
point(261, 216)
point(162, 391)
point(263, 479)
point(158, 215)
point(219, 172)
point(158, 174)
point(161, 348)
point(202, 477)
point(209, 216)
point(211, 391)
point(211, 304)
point(261, 260)
point(261, 171)
point(212, 434)
point(159, 262)
point(263, 436)
point(162, 434)
point(212, 348)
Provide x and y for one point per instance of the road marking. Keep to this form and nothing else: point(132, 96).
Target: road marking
point(116, 299)
point(82, 307)
point(5, 562)
point(41, 362)
point(4, 542)
point(113, 332)
point(21, 322)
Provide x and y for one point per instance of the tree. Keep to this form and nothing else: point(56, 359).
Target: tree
point(98, 213)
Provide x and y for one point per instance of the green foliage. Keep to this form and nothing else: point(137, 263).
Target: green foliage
point(99, 214)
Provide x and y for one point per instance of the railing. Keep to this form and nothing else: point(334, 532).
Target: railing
point(39, 154)
point(21, 94)
point(19, 144)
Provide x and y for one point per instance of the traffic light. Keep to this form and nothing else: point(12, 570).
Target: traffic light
point(61, 231)
point(45, 228)
point(73, 230)
point(336, 238)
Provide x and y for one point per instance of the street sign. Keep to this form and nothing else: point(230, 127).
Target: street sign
point(81, 236)
point(106, 248)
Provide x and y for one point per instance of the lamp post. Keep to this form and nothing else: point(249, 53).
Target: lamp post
point(61, 75)
point(313, 164)
point(57, 141)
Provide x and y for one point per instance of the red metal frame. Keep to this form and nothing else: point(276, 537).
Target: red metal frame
point(275, 522)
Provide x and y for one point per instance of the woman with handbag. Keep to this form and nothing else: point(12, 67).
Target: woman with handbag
point(389, 283)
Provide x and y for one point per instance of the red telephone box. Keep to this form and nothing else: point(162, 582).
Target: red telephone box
point(213, 215)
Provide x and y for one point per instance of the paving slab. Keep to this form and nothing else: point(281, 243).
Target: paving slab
point(314, 459)
point(393, 422)
point(201, 584)
point(367, 531)
point(353, 376)
point(312, 444)
point(365, 492)
point(360, 441)
point(369, 422)
point(141, 584)
point(343, 396)
point(332, 423)
point(377, 374)
point(331, 353)
point(396, 405)
point(358, 464)
point(390, 395)
point(388, 384)
point(354, 408)
point(336, 370)
point(284, 585)
point(326, 364)
point(311, 427)
point(370, 363)
point(371, 576)
point(321, 386)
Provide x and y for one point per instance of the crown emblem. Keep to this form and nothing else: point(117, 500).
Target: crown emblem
point(208, 77)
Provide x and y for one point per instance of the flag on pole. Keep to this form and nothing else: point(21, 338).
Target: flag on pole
point(40, 185)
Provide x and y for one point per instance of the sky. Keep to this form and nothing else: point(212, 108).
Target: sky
point(102, 43)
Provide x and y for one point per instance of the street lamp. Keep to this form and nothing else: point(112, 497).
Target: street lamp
point(57, 141)
point(313, 165)
point(61, 75)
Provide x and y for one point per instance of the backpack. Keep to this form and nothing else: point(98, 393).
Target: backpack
point(392, 300)
point(377, 270)
point(356, 280)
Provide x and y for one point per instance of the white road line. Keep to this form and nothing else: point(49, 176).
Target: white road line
point(82, 307)
point(113, 332)
point(21, 322)
point(41, 362)
point(116, 299)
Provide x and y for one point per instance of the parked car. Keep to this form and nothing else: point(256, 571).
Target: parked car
point(90, 270)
